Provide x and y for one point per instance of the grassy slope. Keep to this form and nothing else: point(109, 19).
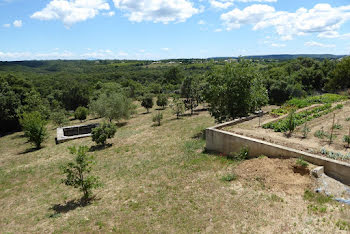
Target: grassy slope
point(155, 179)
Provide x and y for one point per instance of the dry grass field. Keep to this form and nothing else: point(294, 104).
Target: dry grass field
point(159, 179)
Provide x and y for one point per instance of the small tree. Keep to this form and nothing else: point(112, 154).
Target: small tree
point(102, 133)
point(112, 106)
point(34, 128)
point(306, 130)
point(59, 118)
point(162, 101)
point(81, 113)
point(78, 172)
point(178, 108)
point(291, 124)
point(147, 102)
point(157, 118)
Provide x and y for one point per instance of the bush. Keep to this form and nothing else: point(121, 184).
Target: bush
point(157, 118)
point(178, 108)
point(229, 178)
point(241, 155)
point(78, 172)
point(162, 101)
point(34, 128)
point(101, 133)
point(291, 124)
point(112, 106)
point(346, 139)
point(59, 118)
point(306, 130)
point(81, 113)
point(302, 163)
point(147, 102)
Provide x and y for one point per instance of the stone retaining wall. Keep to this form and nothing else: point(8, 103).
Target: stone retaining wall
point(226, 142)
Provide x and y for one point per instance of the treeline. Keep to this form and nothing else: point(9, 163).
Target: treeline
point(234, 89)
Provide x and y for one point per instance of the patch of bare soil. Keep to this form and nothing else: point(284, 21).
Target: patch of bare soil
point(275, 174)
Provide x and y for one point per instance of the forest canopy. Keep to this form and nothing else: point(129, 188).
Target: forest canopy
point(59, 86)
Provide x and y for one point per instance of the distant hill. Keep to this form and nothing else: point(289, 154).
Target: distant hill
point(285, 56)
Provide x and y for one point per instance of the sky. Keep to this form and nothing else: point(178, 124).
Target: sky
point(162, 29)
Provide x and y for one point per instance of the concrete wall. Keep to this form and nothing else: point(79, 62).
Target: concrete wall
point(226, 142)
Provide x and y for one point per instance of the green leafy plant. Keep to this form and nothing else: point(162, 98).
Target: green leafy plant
point(162, 100)
point(78, 172)
point(229, 177)
point(241, 155)
point(81, 113)
point(291, 123)
point(157, 118)
point(337, 126)
point(147, 102)
point(346, 139)
point(59, 118)
point(301, 162)
point(34, 127)
point(321, 134)
point(103, 132)
point(178, 107)
point(347, 119)
point(306, 130)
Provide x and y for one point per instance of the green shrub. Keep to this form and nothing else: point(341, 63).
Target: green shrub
point(229, 177)
point(291, 123)
point(337, 126)
point(59, 118)
point(306, 130)
point(147, 102)
point(157, 118)
point(178, 108)
point(347, 119)
point(241, 155)
point(101, 133)
point(346, 139)
point(78, 172)
point(34, 127)
point(162, 100)
point(81, 113)
point(321, 134)
point(302, 163)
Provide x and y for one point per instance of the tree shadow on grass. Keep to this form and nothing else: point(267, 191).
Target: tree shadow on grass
point(29, 150)
point(18, 136)
point(71, 205)
point(200, 135)
point(99, 147)
point(122, 124)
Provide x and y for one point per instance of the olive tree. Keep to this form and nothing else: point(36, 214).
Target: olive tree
point(78, 172)
point(235, 91)
point(112, 106)
point(147, 102)
point(162, 100)
point(101, 133)
point(81, 113)
point(34, 127)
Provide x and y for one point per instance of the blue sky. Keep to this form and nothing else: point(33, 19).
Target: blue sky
point(159, 29)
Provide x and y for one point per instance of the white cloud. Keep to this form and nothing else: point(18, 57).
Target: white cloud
point(278, 45)
point(71, 11)
point(220, 4)
point(218, 30)
point(250, 15)
point(320, 19)
point(333, 34)
point(17, 23)
point(6, 25)
point(165, 49)
point(110, 13)
point(201, 22)
point(317, 44)
point(163, 11)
